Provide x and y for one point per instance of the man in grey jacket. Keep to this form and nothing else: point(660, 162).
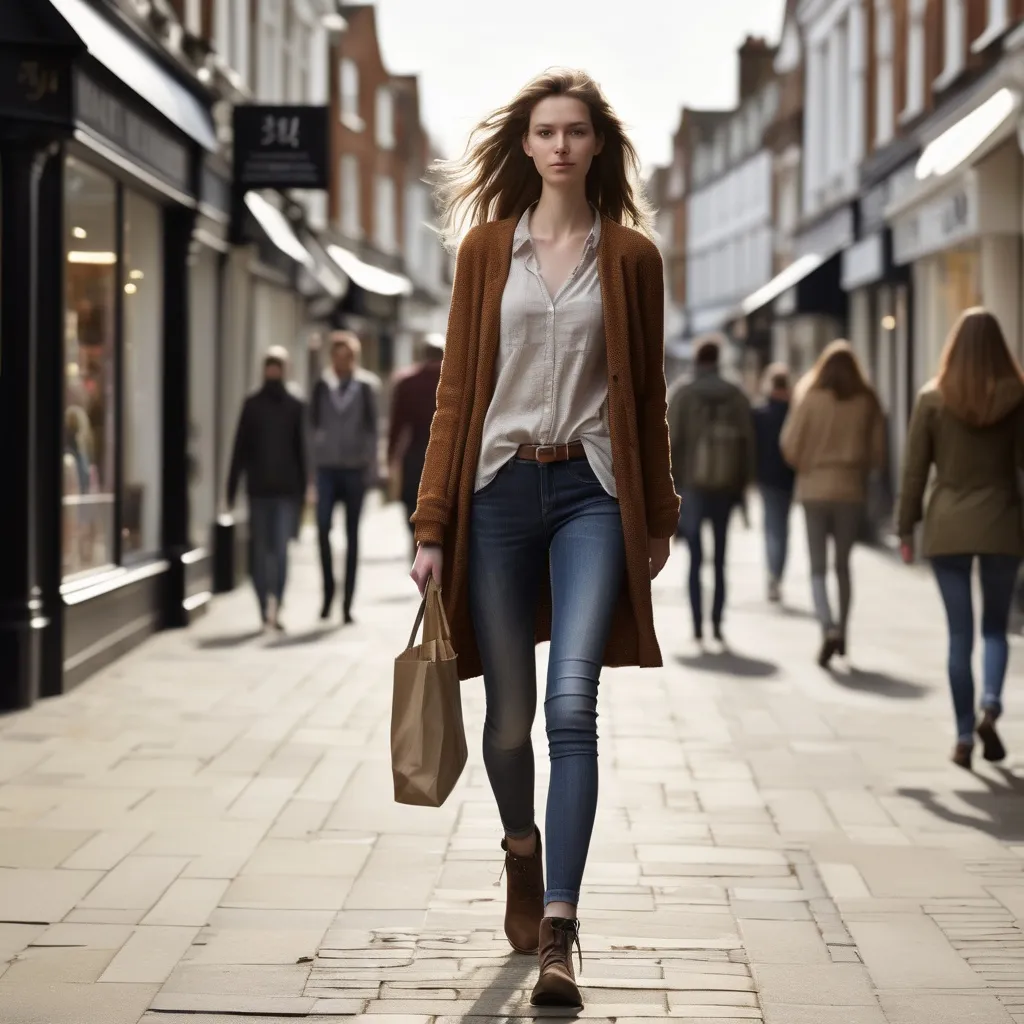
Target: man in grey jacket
point(343, 410)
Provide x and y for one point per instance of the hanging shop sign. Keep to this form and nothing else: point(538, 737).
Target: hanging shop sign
point(35, 86)
point(279, 147)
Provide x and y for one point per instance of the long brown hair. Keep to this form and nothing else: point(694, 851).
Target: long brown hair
point(495, 179)
point(975, 359)
point(838, 370)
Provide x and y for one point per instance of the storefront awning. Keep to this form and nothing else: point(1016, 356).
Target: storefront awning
point(278, 230)
point(368, 277)
point(796, 272)
point(984, 127)
point(325, 277)
point(132, 65)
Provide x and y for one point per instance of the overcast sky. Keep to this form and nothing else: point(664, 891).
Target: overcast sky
point(650, 56)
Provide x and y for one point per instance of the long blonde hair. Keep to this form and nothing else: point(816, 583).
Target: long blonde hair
point(838, 370)
point(974, 360)
point(495, 179)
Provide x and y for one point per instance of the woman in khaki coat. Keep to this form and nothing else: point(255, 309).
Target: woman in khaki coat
point(546, 504)
point(968, 424)
point(834, 437)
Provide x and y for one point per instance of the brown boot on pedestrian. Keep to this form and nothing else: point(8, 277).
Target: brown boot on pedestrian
point(992, 745)
point(524, 897)
point(961, 755)
point(556, 985)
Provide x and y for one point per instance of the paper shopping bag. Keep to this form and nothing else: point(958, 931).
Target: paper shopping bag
point(428, 737)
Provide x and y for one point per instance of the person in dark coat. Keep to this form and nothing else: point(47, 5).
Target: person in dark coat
point(270, 452)
point(775, 477)
point(413, 400)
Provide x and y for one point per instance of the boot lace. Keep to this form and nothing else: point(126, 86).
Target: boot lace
point(567, 935)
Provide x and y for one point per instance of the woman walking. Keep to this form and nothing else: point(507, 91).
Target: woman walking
point(834, 437)
point(546, 504)
point(969, 424)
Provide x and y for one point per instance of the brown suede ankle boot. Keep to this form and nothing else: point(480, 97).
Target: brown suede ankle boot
point(556, 985)
point(524, 897)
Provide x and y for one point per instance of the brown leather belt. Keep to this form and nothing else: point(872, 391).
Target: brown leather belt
point(545, 453)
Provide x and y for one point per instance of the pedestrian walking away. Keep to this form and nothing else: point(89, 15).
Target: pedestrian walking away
point(713, 455)
point(834, 436)
point(546, 504)
point(270, 453)
point(968, 426)
point(775, 477)
point(413, 401)
point(343, 413)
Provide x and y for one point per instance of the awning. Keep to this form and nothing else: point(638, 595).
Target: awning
point(782, 282)
point(325, 276)
point(981, 129)
point(368, 277)
point(278, 230)
point(139, 71)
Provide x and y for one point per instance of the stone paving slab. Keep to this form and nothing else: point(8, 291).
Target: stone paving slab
point(205, 832)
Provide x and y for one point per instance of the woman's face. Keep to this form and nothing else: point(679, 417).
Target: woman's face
point(561, 140)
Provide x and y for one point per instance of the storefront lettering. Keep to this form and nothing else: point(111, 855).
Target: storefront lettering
point(936, 225)
point(39, 81)
point(280, 131)
point(281, 146)
point(107, 115)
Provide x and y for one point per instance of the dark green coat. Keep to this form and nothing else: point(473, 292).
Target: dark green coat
point(974, 499)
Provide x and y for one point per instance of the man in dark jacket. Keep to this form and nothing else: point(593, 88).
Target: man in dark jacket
point(343, 413)
point(775, 477)
point(413, 401)
point(270, 452)
point(712, 437)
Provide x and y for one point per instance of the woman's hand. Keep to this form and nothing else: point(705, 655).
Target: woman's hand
point(428, 562)
point(907, 551)
point(658, 548)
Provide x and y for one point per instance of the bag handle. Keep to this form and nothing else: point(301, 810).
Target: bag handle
point(429, 591)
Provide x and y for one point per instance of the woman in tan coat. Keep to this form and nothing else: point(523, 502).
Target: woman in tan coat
point(546, 504)
point(834, 437)
point(969, 425)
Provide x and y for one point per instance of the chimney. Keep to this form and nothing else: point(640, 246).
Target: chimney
point(756, 65)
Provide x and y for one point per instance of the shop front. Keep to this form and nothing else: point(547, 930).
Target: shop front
point(101, 148)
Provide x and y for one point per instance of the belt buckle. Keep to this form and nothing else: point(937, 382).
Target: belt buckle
point(543, 451)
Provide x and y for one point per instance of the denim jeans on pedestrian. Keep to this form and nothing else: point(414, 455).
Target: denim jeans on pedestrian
point(272, 523)
point(530, 518)
point(697, 508)
point(347, 486)
point(998, 582)
point(777, 502)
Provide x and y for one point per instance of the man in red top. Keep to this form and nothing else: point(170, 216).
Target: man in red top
point(413, 400)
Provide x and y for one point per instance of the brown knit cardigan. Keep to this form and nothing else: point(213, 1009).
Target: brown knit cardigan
point(632, 292)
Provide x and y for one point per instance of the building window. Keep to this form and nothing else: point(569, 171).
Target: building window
point(90, 364)
point(240, 53)
point(222, 29)
point(204, 302)
point(955, 43)
point(348, 75)
point(885, 100)
point(677, 179)
point(271, 50)
point(351, 208)
point(384, 213)
point(998, 23)
point(915, 60)
point(385, 117)
point(143, 348)
point(194, 17)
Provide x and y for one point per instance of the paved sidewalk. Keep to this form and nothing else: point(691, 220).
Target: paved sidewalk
point(207, 828)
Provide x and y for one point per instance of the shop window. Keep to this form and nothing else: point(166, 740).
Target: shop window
point(142, 347)
point(90, 354)
point(351, 207)
point(385, 118)
point(348, 73)
point(384, 214)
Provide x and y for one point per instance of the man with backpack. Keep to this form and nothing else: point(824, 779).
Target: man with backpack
point(713, 460)
point(343, 411)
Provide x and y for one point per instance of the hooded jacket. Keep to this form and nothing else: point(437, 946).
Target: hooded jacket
point(974, 504)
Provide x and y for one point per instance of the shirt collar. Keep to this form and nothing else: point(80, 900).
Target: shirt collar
point(522, 237)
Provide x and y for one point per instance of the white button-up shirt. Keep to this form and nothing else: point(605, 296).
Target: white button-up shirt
point(552, 372)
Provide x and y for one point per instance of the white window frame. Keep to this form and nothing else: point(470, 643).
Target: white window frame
point(385, 196)
point(384, 117)
point(955, 44)
point(998, 24)
point(269, 68)
point(351, 213)
point(193, 17)
point(222, 33)
point(349, 87)
point(916, 61)
point(885, 79)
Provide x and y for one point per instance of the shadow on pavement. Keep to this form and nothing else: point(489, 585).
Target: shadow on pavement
point(310, 636)
point(879, 683)
point(502, 1000)
point(1002, 806)
point(228, 640)
point(729, 663)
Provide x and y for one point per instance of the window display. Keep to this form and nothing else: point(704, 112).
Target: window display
point(142, 345)
point(90, 355)
point(202, 419)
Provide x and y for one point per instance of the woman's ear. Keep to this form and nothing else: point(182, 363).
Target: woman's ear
point(526, 146)
point(600, 145)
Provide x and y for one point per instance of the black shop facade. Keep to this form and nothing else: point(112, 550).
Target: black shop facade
point(111, 200)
